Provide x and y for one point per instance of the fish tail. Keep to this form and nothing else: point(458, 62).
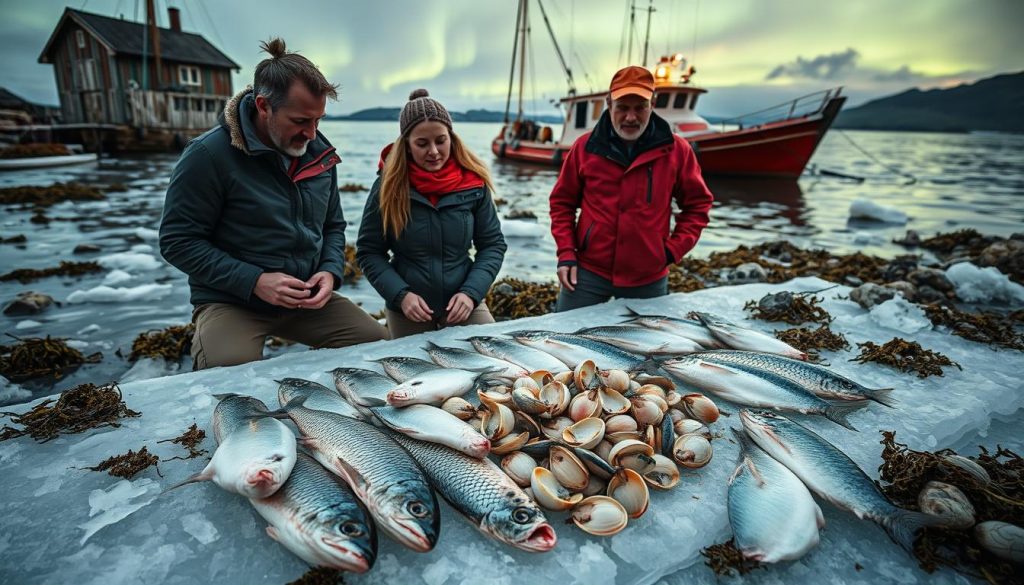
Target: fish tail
point(838, 414)
point(292, 404)
point(903, 526)
point(882, 396)
point(630, 313)
point(431, 346)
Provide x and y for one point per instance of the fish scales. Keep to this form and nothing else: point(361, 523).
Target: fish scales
point(454, 357)
point(642, 339)
point(573, 349)
point(317, 396)
point(521, 355)
point(234, 411)
point(402, 368)
point(363, 387)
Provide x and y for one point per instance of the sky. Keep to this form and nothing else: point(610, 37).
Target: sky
point(749, 54)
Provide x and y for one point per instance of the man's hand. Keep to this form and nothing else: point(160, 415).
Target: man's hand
point(567, 277)
point(281, 290)
point(415, 308)
point(320, 285)
point(459, 308)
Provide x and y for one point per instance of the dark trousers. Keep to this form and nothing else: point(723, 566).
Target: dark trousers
point(592, 289)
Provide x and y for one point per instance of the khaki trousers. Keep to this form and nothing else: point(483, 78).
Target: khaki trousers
point(400, 326)
point(227, 335)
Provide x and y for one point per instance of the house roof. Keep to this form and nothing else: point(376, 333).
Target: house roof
point(125, 37)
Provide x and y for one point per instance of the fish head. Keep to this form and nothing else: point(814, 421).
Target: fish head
point(476, 444)
point(345, 542)
point(520, 524)
point(403, 393)
point(529, 336)
point(765, 428)
point(260, 478)
point(409, 513)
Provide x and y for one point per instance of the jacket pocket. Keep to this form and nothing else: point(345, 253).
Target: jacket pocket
point(316, 194)
point(650, 182)
point(585, 240)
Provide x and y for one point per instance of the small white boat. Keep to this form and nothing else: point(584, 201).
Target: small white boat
point(39, 162)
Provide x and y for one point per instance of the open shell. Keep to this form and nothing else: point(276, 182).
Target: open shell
point(541, 377)
point(549, 493)
point(552, 428)
point(688, 426)
point(692, 451)
point(600, 516)
point(700, 407)
point(617, 380)
point(619, 423)
point(555, 397)
point(509, 443)
point(620, 436)
point(459, 408)
point(651, 389)
point(526, 424)
point(631, 453)
point(528, 383)
point(568, 469)
point(648, 409)
point(585, 405)
point(497, 421)
point(665, 384)
point(519, 466)
point(664, 475)
point(586, 433)
point(595, 486)
point(585, 376)
point(612, 402)
point(525, 399)
point(630, 489)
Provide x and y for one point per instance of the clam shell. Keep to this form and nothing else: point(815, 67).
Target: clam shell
point(647, 408)
point(1002, 539)
point(585, 376)
point(597, 465)
point(620, 422)
point(552, 428)
point(525, 423)
point(518, 466)
point(568, 469)
point(586, 433)
point(629, 447)
point(541, 377)
point(651, 389)
point(600, 516)
point(527, 383)
point(692, 451)
point(618, 437)
point(664, 475)
point(555, 397)
point(688, 426)
point(630, 489)
point(525, 399)
point(509, 443)
point(585, 405)
point(565, 377)
point(595, 486)
point(700, 407)
point(617, 380)
point(612, 402)
point(549, 493)
point(673, 398)
point(537, 448)
point(459, 408)
point(497, 421)
point(947, 502)
point(977, 471)
point(665, 384)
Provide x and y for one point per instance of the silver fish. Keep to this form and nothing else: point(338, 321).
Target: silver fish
point(435, 386)
point(687, 328)
point(255, 452)
point(454, 357)
point(362, 387)
point(642, 340)
point(517, 353)
point(572, 349)
point(818, 380)
point(736, 337)
point(317, 517)
point(381, 473)
point(317, 396)
point(773, 516)
point(429, 423)
point(828, 472)
point(401, 368)
point(747, 386)
point(484, 495)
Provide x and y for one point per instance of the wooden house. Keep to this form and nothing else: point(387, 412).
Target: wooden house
point(113, 72)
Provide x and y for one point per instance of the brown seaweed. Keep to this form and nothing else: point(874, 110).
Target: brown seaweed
point(34, 150)
point(906, 356)
point(520, 214)
point(51, 195)
point(18, 239)
point(36, 357)
point(81, 408)
point(989, 328)
point(128, 464)
point(726, 559)
point(190, 440)
point(320, 576)
point(811, 341)
point(352, 188)
point(511, 298)
point(352, 271)
point(171, 343)
point(27, 275)
point(946, 243)
point(789, 308)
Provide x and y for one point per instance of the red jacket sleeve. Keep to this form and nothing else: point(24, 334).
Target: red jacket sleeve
point(565, 200)
point(694, 200)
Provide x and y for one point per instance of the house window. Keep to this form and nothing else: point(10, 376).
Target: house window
point(211, 105)
point(80, 37)
point(679, 102)
point(180, 104)
point(661, 100)
point(188, 75)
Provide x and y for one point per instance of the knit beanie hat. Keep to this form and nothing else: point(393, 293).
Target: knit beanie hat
point(420, 108)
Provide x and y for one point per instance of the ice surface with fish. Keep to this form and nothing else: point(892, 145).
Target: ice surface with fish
point(61, 522)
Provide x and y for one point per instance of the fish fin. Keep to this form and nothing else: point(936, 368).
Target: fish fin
point(631, 313)
point(273, 534)
point(882, 396)
point(431, 346)
point(837, 413)
point(720, 368)
point(903, 526)
point(352, 477)
point(755, 473)
point(225, 395)
point(308, 442)
point(370, 402)
point(819, 517)
point(205, 475)
point(736, 472)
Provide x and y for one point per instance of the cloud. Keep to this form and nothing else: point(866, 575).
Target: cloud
point(821, 67)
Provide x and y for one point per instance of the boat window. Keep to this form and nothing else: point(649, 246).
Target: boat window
point(581, 114)
point(693, 102)
point(661, 100)
point(598, 108)
point(680, 101)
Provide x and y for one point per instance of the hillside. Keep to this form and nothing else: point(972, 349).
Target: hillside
point(993, 104)
point(391, 115)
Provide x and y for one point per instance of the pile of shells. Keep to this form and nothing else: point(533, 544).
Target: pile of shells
point(592, 442)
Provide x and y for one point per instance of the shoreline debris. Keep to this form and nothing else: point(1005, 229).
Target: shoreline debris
point(320, 576)
point(988, 328)
point(81, 408)
point(127, 465)
point(905, 356)
point(512, 298)
point(788, 307)
point(171, 343)
point(725, 559)
point(36, 357)
point(190, 440)
point(27, 275)
point(352, 271)
point(34, 150)
point(352, 188)
point(51, 195)
point(811, 341)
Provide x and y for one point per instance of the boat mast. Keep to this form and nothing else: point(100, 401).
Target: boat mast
point(155, 34)
point(522, 55)
point(647, 34)
point(565, 67)
point(512, 69)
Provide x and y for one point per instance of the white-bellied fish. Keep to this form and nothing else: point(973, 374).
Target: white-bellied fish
point(255, 452)
point(736, 337)
point(454, 357)
point(507, 349)
point(316, 396)
point(382, 474)
point(572, 349)
point(484, 495)
point(436, 386)
point(431, 424)
point(747, 386)
point(642, 340)
point(401, 368)
point(828, 472)
point(318, 518)
point(818, 380)
point(773, 516)
point(362, 387)
point(687, 328)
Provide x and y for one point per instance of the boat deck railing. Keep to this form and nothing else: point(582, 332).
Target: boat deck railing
point(802, 106)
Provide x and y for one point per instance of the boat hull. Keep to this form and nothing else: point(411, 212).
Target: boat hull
point(41, 162)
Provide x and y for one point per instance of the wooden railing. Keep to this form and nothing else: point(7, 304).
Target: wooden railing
point(173, 110)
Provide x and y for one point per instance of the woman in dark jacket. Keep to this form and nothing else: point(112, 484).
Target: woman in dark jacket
point(429, 206)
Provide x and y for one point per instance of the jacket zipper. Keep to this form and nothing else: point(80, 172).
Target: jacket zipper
point(650, 181)
point(586, 238)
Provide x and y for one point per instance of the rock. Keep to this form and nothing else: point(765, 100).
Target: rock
point(1007, 256)
point(927, 294)
point(870, 294)
point(911, 240)
point(900, 267)
point(903, 287)
point(28, 303)
point(930, 277)
point(745, 273)
point(86, 249)
point(779, 301)
point(504, 289)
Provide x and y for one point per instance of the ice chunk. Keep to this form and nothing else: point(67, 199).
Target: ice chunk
point(27, 324)
point(147, 234)
point(10, 393)
point(147, 368)
point(523, 229)
point(984, 285)
point(107, 294)
point(200, 528)
point(593, 565)
point(130, 261)
point(141, 248)
point(88, 330)
point(867, 209)
point(77, 344)
point(116, 277)
point(900, 314)
point(108, 507)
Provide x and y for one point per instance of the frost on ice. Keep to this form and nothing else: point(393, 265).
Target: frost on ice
point(107, 294)
point(200, 534)
point(900, 314)
point(984, 285)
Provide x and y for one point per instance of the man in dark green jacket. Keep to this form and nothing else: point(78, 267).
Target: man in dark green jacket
point(253, 217)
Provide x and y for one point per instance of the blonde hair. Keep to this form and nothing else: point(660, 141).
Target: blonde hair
point(394, 181)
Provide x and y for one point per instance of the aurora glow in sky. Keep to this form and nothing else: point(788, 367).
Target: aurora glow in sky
point(748, 53)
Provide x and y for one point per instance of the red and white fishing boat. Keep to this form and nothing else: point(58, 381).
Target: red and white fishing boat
point(773, 142)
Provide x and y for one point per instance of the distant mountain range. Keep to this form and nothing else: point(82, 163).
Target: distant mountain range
point(391, 115)
point(994, 104)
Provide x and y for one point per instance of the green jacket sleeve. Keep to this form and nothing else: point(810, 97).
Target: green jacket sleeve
point(192, 208)
point(332, 256)
point(372, 251)
point(490, 250)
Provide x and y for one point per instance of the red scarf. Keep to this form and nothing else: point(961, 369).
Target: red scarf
point(449, 178)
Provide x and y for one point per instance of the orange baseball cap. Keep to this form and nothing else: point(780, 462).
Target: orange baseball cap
point(632, 80)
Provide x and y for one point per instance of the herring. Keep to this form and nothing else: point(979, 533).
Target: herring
point(361, 387)
point(517, 353)
point(749, 386)
point(431, 424)
point(382, 474)
point(688, 328)
point(318, 518)
point(436, 386)
point(493, 503)
point(402, 368)
point(454, 357)
point(736, 337)
point(255, 452)
point(317, 396)
point(642, 340)
point(828, 472)
point(573, 349)
point(773, 516)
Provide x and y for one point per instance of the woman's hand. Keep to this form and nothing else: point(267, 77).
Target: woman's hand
point(459, 308)
point(415, 308)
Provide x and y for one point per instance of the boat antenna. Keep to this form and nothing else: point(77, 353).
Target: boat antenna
point(512, 70)
point(696, 17)
point(647, 34)
point(565, 67)
point(522, 55)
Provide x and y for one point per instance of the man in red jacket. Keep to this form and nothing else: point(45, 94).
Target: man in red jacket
point(623, 176)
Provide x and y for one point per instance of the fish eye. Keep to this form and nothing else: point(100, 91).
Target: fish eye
point(417, 383)
point(418, 510)
point(522, 515)
point(276, 458)
point(351, 529)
